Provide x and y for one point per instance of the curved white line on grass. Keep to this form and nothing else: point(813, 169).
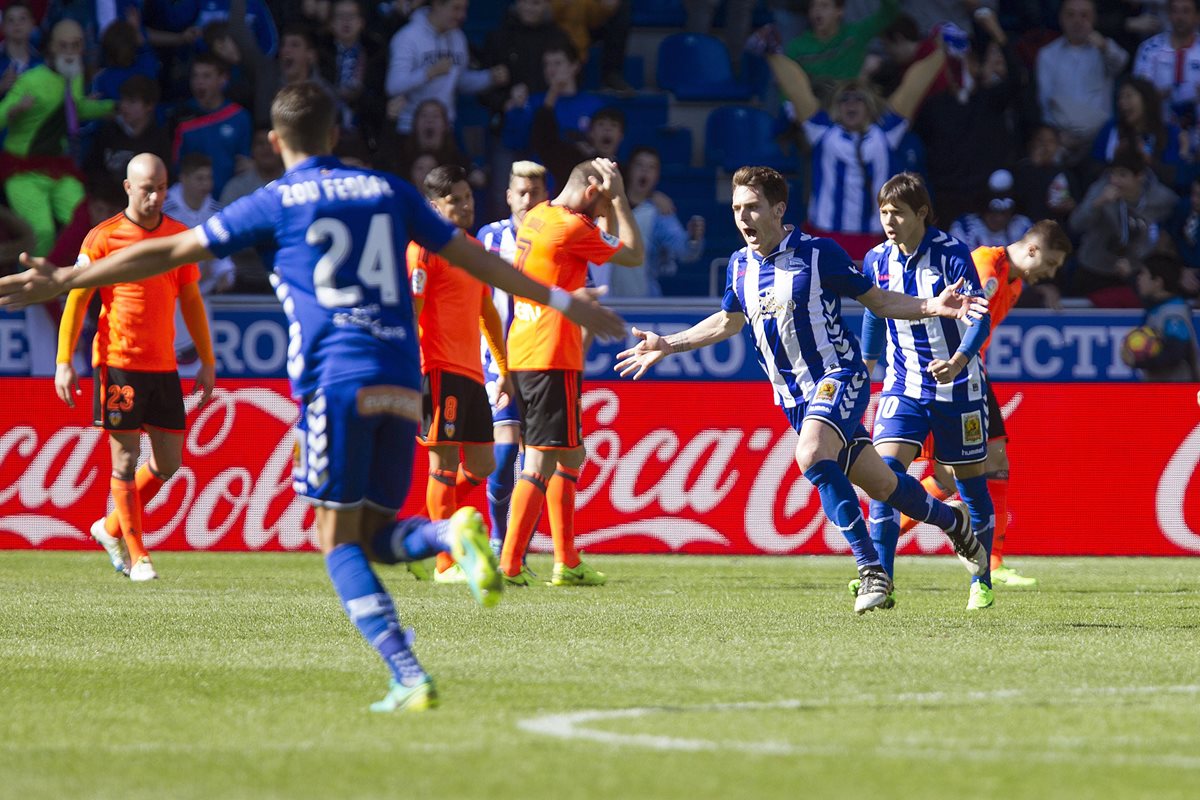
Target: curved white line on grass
point(576, 725)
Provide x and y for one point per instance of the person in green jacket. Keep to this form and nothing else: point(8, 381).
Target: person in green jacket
point(835, 51)
point(41, 176)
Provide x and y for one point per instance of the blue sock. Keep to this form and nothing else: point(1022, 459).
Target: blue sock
point(911, 499)
point(974, 492)
point(370, 608)
point(411, 539)
point(841, 506)
point(885, 533)
point(500, 488)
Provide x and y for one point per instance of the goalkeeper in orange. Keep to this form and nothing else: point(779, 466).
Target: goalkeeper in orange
point(1003, 274)
point(136, 379)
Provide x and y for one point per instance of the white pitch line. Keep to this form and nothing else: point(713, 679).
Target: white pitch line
point(576, 725)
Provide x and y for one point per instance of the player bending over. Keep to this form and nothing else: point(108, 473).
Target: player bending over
point(788, 285)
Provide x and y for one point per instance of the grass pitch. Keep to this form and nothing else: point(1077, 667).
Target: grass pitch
point(238, 676)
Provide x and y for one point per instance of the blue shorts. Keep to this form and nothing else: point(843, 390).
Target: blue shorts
point(354, 446)
point(839, 400)
point(510, 414)
point(959, 428)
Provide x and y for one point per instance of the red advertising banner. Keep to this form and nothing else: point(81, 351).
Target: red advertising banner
point(1097, 469)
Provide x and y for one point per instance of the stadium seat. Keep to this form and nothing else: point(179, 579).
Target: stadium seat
point(735, 136)
point(674, 144)
point(633, 70)
point(695, 66)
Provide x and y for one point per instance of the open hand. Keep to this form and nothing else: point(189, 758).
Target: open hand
point(952, 303)
point(645, 354)
point(41, 282)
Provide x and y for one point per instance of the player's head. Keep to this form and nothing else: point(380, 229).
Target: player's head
point(1160, 277)
point(196, 176)
point(303, 120)
point(642, 171)
point(904, 208)
point(855, 105)
point(526, 187)
point(66, 48)
point(606, 131)
point(1038, 255)
point(447, 189)
point(146, 187)
point(760, 196)
point(209, 74)
point(582, 191)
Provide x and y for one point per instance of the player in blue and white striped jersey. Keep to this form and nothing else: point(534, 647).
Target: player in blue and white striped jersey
point(933, 380)
point(526, 188)
point(788, 285)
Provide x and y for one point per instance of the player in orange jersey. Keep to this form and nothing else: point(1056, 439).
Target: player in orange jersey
point(1003, 274)
point(555, 242)
point(456, 409)
point(136, 381)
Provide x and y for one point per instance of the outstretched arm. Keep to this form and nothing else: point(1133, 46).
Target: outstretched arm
point(916, 82)
point(794, 83)
point(654, 348)
point(949, 303)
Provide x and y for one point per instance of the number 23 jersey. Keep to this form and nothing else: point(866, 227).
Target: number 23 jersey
point(337, 236)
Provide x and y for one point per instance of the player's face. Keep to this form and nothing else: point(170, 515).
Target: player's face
point(901, 223)
point(523, 194)
point(1045, 264)
point(643, 173)
point(760, 223)
point(148, 193)
point(458, 206)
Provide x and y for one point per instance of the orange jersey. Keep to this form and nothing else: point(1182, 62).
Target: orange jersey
point(452, 300)
point(554, 246)
point(137, 320)
point(995, 276)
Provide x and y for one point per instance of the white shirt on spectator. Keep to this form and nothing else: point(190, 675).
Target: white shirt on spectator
point(1176, 73)
point(1075, 84)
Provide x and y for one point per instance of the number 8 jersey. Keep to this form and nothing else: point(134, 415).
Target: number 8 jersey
point(337, 237)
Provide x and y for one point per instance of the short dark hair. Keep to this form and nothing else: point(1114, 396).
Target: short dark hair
point(564, 46)
point(440, 180)
point(303, 115)
point(212, 60)
point(194, 161)
point(118, 43)
point(139, 87)
point(610, 113)
point(765, 180)
point(1051, 235)
point(908, 188)
point(1168, 269)
point(1129, 156)
point(303, 31)
point(643, 149)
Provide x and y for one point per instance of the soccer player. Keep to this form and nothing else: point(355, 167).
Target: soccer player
point(934, 380)
point(526, 188)
point(788, 284)
point(1004, 272)
point(339, 236)
point(455, 408)
point(136, 378)
point(555, 242)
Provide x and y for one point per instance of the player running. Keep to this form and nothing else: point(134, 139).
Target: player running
point(455, 408)
point(1004, 272)
point(136, 378)
point(339, 236)
point(526, 188)
point(555, 242)
point(934, 380)
point(788, 285)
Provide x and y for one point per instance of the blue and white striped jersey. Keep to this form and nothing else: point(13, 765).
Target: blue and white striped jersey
point(848, 170)
point(792, 300)
point(939, 261)
point(499, 238)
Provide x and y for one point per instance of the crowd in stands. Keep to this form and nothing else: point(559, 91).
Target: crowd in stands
point(1082, 111)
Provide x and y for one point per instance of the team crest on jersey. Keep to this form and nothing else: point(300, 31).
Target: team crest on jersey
point(609, 239)
point(449, 428)
point(826, 392)
point(990, 286)
point(972, 428)
point(769, 305)
point(419, 278)
point(114, 418)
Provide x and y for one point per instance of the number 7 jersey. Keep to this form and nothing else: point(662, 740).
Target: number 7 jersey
point(337, 237)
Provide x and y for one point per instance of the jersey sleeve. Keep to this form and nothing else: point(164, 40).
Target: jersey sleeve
point(816, 126)
point(959, 264)
point(894, 127)
point(418, 269)
point(246, 222)
point(839, 273)
point(592, 242)
point(423, 224)
point(730, 303)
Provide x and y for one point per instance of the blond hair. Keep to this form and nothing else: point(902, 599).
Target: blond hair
point(527, 169)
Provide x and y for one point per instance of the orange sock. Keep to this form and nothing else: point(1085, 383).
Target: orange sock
point(935, 489)
point(998, 488)
point(148, 484)
point(439, 499)
point(464, 484)
point(528, 497)
point(560, 504)
point(129, 511)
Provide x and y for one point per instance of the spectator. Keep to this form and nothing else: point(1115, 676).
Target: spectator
point(191, 202)
point(218, 38)
point(560, 153)
point(1118, 224)
point(256, 16)
point(208, 123)
point(1171, 60)
point(1138, 120)
point(125, 54)
point(43, 111)
point(997, 223)
point(833, 49)
point(354, 70)
point(428, 60)
point(667, 243)
point(573, 109)
point(266, 166)
point(421, 166)
point(851, 146)
point(1044, 188)
point(607, 20)
point(132, 131)
point(902, 45)
point(1075, 75)
point(1160, 286)
point(521, 42)
point(431, 134)
point(963, 14)
point(1184, 228)
point(17, 54)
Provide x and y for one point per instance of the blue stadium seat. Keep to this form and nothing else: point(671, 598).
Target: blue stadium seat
point(735, 136)
point(694, 66)
point(633, 70)
point(674, 144)
point(658, 14)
